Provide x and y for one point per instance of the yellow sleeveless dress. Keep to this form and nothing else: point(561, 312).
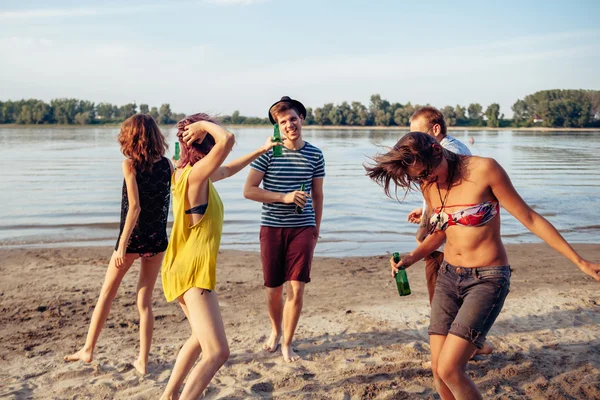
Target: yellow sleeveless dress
point(191, 257)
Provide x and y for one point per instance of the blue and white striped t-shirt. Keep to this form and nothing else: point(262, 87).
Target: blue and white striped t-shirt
point(286, 174)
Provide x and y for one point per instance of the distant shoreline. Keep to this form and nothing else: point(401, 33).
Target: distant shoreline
point(321, 127)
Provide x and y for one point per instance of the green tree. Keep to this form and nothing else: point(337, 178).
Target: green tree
point(449, 115)
point(154, 112)
point(164, 115)
point(475, 114)
point(41, 113)
point(144, 109)
point(360, 114)
point(84, 118)
point(127, 110)
point(310, 118)
point(461, 115)
point(492, 113)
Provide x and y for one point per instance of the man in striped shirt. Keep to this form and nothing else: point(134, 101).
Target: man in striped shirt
point(290, 220)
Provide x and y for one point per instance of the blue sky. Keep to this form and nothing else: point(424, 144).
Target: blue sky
point(223, 55)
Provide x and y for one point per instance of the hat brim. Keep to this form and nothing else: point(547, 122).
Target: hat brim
point(296, 104)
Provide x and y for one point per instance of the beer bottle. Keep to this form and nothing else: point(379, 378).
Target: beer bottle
point(177, 150)
point(401, 278)
point(277, 150)
point(298, 209)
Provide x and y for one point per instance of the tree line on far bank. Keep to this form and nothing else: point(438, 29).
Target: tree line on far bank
point(78, 112)
point(548, 108)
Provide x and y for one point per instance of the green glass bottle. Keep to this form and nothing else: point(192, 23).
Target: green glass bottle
point(401, 278)
point(177, 151)
point(298, 209)
point(277, 150)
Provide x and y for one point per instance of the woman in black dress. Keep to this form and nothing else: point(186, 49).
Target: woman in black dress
point(143, 233)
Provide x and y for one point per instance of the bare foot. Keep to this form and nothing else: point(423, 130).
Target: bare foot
point(273, 342)
point(83, 355)
point(288, 354)
point(140, 367)
point(486, 349)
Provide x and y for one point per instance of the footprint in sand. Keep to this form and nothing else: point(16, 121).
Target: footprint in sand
point(250, 375)
point(262, 387)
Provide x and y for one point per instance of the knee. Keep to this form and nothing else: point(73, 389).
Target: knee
point(449, 373)
point(295, 299)
point(144, 305)
point(220, 356)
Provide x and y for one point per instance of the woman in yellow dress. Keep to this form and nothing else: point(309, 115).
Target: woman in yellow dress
point(189, 266)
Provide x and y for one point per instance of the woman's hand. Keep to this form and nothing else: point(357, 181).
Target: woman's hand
point(119, 257)
point(269, 144)
point(404, 262)
point(590, 269)
point(195, 132)
point(297, 197)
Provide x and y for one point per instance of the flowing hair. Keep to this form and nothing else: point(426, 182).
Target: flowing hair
point(142, 141)
point(191, 154)
point(414, 148)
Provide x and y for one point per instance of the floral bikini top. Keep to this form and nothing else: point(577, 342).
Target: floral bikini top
point(472, 215)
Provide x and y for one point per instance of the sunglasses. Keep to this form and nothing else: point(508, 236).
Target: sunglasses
point(423, 175)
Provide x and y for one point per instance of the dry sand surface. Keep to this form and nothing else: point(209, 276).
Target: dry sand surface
point(357, 337)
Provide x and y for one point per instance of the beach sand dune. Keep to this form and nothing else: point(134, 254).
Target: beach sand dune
point(357, 337)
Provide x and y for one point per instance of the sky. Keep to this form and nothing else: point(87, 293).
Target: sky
point(218, 56)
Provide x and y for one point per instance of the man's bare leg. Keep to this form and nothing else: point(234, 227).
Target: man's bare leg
point(275, 309)
point(291, 315)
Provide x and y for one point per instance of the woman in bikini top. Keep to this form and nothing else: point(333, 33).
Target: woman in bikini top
point(475, 187)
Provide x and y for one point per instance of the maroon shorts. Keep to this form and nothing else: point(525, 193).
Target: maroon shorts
point(286, 254)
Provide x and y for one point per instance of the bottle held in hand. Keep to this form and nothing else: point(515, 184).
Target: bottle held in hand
point(298, 209)
point(401, 278)
point(277, 150)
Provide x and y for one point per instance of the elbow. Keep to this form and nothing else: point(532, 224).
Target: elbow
point(247, 193)
point(230, 140)
point(135, 210)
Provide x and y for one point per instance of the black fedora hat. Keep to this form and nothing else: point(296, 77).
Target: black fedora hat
point(287, 99)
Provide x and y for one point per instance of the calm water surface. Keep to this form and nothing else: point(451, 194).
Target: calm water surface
point(61, 186)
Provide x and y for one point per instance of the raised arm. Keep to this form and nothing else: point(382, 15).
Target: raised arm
point(512, 202)
point(224, 141)
point(232, 168)
point(133, 212)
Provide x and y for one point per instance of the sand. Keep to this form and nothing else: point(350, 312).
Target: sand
point(358, 339)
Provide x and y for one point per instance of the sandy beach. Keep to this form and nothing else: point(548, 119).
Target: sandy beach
point(358, 339)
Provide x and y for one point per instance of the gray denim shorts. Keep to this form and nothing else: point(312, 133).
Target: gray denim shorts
point(467, 301)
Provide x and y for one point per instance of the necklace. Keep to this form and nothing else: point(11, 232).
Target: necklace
point(449, 183)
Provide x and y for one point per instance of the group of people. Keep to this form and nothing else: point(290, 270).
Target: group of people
point(467, 283)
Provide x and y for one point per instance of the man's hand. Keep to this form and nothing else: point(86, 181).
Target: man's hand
point(415, 215)
point(297, 197)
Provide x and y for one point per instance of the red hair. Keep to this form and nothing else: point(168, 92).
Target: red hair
point(142, 141)
point(196, 151)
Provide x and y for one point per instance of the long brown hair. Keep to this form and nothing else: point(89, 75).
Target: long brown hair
point(196, 151)
point(142, 141)
point(412, 149)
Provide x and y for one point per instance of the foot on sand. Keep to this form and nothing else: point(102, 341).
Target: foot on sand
point(273, 342)
point(83, 355)
point(288, 354)
point(486, 349)
point(140, 367)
